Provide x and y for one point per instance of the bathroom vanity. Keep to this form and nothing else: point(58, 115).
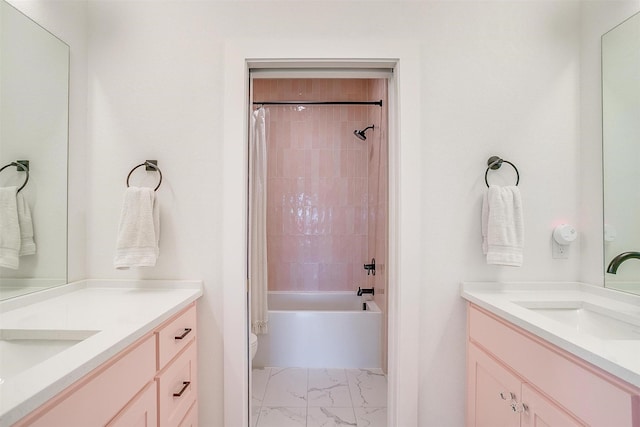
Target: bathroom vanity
point(552, 354)
point(116, 353)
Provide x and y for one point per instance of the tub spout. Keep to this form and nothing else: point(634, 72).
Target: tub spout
point(365, 291)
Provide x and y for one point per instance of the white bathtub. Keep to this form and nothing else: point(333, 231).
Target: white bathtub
point(320, 330)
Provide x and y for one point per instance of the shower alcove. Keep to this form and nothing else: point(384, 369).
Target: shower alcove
point(326, 210)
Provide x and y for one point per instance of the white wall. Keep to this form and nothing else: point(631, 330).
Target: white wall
point(155, 92)
point(499, 78)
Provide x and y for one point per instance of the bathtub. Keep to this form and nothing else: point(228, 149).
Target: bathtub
point(320, 330)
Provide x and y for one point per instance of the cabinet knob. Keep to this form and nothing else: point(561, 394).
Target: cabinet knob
point(519, 407)
point(504, 397)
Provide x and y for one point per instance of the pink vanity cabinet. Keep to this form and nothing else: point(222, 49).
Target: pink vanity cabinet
point(152, 383)
point(517, 379)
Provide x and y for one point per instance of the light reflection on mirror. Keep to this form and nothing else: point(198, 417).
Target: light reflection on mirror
point(621, 151)
point(34, 83)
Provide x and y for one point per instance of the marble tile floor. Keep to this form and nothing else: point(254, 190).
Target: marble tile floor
point(300, 397)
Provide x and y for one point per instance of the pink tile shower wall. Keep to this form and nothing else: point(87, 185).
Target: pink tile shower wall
point(318, 179)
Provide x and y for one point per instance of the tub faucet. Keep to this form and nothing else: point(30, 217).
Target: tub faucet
point(365, 291)
point(619, 259)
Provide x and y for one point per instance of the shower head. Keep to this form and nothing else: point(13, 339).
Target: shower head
point(360, 134)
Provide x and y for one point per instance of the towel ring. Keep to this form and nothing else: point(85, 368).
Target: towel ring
point(24, 166)
point(494, 163)
point(149, 165)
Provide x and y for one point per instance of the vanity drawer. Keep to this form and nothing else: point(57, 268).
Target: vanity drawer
point(591, 394)
point(177, 387)
point(175, 335)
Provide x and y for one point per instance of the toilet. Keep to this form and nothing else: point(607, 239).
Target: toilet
point(253, 344)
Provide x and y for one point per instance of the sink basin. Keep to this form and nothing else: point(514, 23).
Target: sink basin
point(587, 318)
point(20, 349)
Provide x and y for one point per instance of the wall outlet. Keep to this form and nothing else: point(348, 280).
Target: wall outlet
point(559, 251)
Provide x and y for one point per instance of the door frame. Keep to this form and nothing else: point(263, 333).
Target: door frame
point(405, 210)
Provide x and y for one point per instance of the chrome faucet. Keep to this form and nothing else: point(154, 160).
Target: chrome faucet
point(619, 259)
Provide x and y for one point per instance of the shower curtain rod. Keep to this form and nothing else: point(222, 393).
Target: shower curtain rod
point(318, 103)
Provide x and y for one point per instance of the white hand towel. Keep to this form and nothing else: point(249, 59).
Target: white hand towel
point(9, 228)
point(139, 230)
point(27, 244)
point(502, 226)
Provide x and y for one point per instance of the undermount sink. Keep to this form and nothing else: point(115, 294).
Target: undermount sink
point(21, 349)
point(587, 318)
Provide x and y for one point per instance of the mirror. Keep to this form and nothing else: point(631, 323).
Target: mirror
point(34, 86)
point(621, 152)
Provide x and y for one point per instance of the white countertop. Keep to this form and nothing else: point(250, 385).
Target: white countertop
point(121, 312)
point(620, 357)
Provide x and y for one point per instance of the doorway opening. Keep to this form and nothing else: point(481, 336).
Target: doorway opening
point(318, 227)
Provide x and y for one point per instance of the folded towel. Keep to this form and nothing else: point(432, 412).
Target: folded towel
point(502, 226)
point(27, 244)
point(9, 228)
point(139, 230)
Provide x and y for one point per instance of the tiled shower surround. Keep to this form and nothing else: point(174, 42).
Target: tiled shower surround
point(326, 191)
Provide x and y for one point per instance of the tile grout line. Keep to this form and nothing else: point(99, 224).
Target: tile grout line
point(264, 394)
point(353, 407)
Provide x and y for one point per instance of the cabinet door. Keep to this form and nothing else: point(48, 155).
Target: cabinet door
point(191, 419)
point(491, 388)
point(540, 412)
point(142, 411)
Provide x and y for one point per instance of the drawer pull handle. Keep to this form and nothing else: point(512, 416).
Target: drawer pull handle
point(184, 334)
point(519, 408)
point(185, 384)
point(511, 395)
